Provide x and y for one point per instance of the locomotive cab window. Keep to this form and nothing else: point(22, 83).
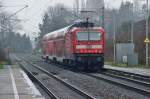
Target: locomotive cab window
point(85, 36)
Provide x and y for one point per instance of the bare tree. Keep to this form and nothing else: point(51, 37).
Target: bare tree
point(8, 25)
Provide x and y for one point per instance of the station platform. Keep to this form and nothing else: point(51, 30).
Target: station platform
point(15, 84)
point(141, 71)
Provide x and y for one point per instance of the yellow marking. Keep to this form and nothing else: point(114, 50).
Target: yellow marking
point(146, 40)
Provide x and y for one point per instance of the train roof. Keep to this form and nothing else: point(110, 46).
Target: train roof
point(60, 32)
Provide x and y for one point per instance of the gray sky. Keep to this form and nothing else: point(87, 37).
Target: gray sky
point(33, 14)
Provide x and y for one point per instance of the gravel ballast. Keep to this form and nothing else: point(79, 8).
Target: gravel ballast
point(97, 88)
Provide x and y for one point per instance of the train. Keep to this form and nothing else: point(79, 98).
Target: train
point(80, 45)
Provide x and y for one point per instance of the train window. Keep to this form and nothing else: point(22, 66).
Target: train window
point(84, 36)
point(95, 36)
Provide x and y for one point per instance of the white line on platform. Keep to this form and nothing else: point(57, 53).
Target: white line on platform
point(34, 90)
point(16, 96)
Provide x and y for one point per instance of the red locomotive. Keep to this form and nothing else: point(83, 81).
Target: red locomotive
point(80, 45)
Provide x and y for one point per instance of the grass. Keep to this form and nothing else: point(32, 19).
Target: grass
point(116, 64)
point(125, 65)
point(2, 63)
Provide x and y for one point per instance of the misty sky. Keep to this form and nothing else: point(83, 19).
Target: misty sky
point(33, 14)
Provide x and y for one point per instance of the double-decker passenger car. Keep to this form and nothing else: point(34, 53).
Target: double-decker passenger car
point(80, 45)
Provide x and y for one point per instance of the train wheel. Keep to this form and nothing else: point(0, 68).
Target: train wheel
point(54, 60)
point(70, 63)
point(46, 59)
point(80, 67)
point(94, 68)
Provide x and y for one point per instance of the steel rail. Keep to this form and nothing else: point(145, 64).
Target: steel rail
point(136, 76)
point(31, 75)
point(74, 88)
point(130, 79)
point(121, 84)
point(126, 86)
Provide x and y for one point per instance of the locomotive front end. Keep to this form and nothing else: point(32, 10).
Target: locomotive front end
point(89, 48)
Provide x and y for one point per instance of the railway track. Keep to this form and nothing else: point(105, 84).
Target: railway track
point(135, 76)
point(72, 87)
point(131, 83)
point(31, 75)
